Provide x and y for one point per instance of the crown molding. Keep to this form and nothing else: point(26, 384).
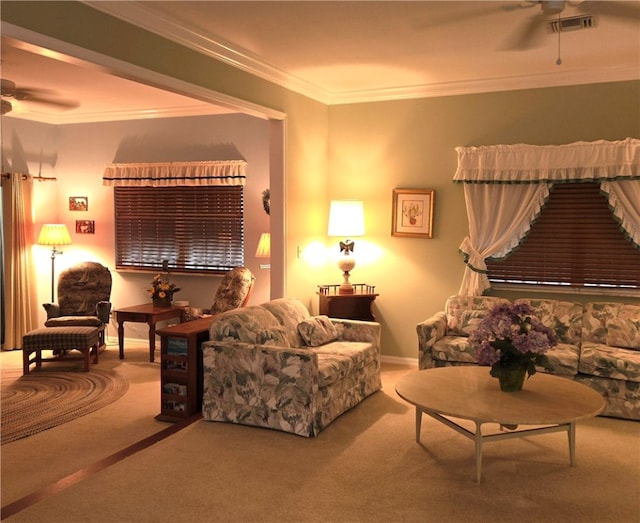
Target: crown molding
point(142, 16)
point(555, 79)
point(136, 13)
point(214, 102)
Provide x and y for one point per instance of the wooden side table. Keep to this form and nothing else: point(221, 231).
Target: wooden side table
point(356, 306)
point(181, 369)
point(149, 314)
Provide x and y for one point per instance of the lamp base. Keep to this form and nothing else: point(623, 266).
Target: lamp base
point(346, 263)
point(346, 287)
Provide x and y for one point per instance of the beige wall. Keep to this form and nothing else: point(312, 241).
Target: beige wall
point(376, 147)
point(364, 151)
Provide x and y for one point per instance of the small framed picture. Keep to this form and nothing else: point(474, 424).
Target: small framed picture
point(85, 226)
point(412, 214)
point(78, 203)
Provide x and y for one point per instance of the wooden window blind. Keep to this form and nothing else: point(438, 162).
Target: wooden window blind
point(197, 229)
point(576, 242)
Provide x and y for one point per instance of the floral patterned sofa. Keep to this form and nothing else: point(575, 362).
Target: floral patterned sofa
point(274, 365)
point(598, 343)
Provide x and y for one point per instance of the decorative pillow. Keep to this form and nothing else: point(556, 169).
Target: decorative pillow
point(277, 336)
point(623, 333)
point(470, 320)
point(317, 330)
point(76, 321)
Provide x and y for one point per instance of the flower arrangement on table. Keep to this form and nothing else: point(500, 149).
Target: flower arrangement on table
point(513, 341)
point(160, 290)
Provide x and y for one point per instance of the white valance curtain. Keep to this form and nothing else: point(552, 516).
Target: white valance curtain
point(168, 174)
point(506, 187)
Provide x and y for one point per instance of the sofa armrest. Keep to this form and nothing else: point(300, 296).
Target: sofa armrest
point(268, 386)
point(359, 330)
point(429, 331)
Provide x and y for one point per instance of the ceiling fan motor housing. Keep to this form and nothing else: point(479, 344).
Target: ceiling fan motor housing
point(553, 7)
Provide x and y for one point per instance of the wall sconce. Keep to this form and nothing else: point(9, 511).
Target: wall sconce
point(346, 220)
point(54, 234)
point(264, 249)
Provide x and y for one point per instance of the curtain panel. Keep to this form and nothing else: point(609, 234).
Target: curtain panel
point(19, 296)
point(506, 187)
point(167, 174)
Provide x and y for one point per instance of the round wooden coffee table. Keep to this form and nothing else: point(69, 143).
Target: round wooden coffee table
point(470, 393)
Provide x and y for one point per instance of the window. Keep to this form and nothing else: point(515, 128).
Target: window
point(576, 242)
point(196, 228)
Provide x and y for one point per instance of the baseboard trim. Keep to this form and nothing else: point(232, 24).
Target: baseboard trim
point(397, 360)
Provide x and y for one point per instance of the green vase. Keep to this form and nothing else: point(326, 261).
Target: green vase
point(162, 302)
point(511, 380)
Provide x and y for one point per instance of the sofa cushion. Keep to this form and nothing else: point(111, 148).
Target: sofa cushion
point(289, 312)
point(454, 348)
point(278, 336)
point(243, 324)
point(317, 330)
point(564, 318)
point(64, 321)
point(464, 313)
point(610, 362)
point(625, 333)
point(563, 359)
point(338, 359)
point(598, 315)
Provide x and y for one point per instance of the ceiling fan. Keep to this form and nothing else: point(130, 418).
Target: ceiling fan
point(549, 18)
point(8, 90)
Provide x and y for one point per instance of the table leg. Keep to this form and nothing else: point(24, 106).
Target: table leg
point(572, 444)
point(152, 341)
point(478, 440)
point(121, 339)
point(418, 423)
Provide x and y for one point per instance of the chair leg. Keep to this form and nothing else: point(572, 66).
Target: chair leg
point(86, 353)
point(25, 360)
point(94, 351)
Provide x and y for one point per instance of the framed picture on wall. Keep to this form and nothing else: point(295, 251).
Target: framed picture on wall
point(412, 214)
point(85, 226)
point(78, 203)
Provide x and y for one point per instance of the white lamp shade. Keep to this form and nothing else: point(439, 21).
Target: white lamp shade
point(264, 246)
point(346, 218)
point(54, 234)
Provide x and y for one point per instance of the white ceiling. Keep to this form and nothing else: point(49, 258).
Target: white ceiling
point(342, 52)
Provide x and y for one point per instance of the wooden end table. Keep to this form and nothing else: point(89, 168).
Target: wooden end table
point(181, 368)
point(470, 393)
point(149, 314)
point(356, 306)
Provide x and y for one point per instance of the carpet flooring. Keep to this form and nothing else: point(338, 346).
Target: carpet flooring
point(51, 395)
point(364, 467)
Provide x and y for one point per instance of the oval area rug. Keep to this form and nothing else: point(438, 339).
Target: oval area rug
point(45, 399)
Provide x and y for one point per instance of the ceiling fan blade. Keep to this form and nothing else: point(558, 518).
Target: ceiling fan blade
point(62, 104)
point(529, 36)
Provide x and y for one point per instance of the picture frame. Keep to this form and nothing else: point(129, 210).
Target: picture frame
point(85, 227)
point(78, 203)
point(412, 214)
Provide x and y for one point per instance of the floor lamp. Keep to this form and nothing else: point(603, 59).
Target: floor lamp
point(54, 234)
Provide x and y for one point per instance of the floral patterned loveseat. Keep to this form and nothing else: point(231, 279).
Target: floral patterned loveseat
point(274, 365)
point(599, 343)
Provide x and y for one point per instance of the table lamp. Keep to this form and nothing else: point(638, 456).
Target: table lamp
point(54, 234)
point(264, 249)
point(346, 220)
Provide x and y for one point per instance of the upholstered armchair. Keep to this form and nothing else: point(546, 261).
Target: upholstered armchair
point(234, 290)
point(84, 291)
